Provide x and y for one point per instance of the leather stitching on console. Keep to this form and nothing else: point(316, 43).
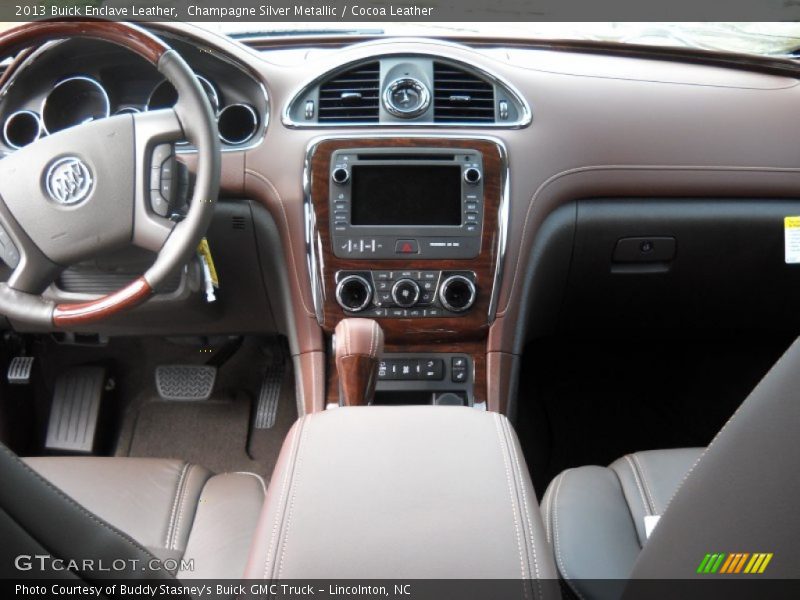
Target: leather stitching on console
point(258, 478)
point(290, 464)
point(506, 464)
point(524, 509)
point(295, 483)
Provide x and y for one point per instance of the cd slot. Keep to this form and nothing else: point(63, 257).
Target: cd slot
point(386, 157)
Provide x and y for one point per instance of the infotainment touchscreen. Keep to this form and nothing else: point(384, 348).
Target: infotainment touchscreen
point(408, 195)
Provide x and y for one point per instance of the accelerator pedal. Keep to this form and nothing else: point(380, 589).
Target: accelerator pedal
point(75, 410)
point(185, 382)
point(271, 384)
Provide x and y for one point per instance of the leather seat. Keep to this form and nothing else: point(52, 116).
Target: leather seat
point(128, 508)
point(736, 498)
point(594, 517)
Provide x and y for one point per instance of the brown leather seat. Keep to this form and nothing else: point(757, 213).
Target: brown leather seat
point(199, 525)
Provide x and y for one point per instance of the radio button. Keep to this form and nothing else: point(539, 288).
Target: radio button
point(340, 175)
point(472, 227)
point(472, 217)
point(397, 312)
point(382, 275)
point(406, 247)
point(470, 206)
point(385, 299)
point(429, 275)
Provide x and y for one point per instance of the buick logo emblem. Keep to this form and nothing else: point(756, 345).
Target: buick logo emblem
point(69, 181)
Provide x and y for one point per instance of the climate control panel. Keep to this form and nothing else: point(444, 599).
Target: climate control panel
point(406, 293)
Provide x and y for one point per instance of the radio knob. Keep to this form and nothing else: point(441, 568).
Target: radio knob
point(354, 293)
point(405, 293)
point(472, 176)
point(457, 293)
point(340, 175)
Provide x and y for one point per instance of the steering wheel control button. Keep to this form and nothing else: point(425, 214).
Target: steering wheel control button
point(354, 293)
point(457, 293)
point(69, 181)
point(406, 247)
point(405, 293)
point(162, 179)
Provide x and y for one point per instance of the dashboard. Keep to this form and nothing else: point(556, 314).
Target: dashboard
point(414, 180)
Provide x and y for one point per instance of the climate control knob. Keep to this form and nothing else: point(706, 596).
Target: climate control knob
point(457, 293)
point(354, 293)
point(405, 293)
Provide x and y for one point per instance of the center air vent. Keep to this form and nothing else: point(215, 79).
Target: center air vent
point(460, 96)
point(351, 96)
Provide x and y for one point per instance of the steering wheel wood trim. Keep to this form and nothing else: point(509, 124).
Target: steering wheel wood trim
point(76, 314)
point(138, 40)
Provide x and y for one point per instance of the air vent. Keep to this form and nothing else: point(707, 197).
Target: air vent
point(460, 96)
point(351, 96)
point(238, 222)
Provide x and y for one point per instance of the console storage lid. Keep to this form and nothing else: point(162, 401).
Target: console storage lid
point(418, 492)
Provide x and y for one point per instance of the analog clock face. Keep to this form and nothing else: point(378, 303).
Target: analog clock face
point(406, 97)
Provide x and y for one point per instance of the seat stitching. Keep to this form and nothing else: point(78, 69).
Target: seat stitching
point(295, 481)
point(548, 502)
point(638, 484)
point(524, 509)
point(556, 545)
point(171, 524)
point(289, 468)
point(180, 508)
point(125, 538)
point(504, 453)
point(646, 484)
point(258, 477)
point(628, 506)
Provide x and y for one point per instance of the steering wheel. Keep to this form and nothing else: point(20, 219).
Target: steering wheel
point(85, 191)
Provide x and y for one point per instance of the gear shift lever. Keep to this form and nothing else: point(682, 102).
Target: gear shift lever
point(357, 346)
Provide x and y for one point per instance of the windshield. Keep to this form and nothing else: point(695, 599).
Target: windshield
point(752, 38)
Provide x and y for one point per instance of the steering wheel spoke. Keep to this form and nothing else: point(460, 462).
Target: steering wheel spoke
point(155, 190)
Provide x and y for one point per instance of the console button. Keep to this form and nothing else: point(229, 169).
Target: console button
point(397, 312)
point(382, 275)
point(406, 247)
point(458, 375)
point(472, 217)
point(384, 299)
point(432, 368)
point(426, 298)
point(433, 312)
point(459, 362)
point(405, 293)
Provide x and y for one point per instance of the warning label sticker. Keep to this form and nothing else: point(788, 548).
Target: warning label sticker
point(791, 232)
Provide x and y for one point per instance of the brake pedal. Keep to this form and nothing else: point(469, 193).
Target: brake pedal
point(75, 410)
point(19, 370)
point(267, 407)
point(185, 382)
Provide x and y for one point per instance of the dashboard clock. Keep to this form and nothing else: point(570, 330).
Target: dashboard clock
point(406, 98)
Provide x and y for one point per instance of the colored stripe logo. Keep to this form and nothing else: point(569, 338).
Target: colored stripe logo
point(734, 563)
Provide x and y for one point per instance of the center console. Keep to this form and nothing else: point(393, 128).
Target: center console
point(409, 232)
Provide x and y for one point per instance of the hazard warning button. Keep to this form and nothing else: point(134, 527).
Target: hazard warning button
point(406, 247)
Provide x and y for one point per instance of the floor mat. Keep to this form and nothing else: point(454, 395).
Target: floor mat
point(585, 402)
point(217, 432)
point(212, 433)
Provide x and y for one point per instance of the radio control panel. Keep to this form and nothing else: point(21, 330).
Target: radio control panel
point(406, 293)
point(425, 203)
